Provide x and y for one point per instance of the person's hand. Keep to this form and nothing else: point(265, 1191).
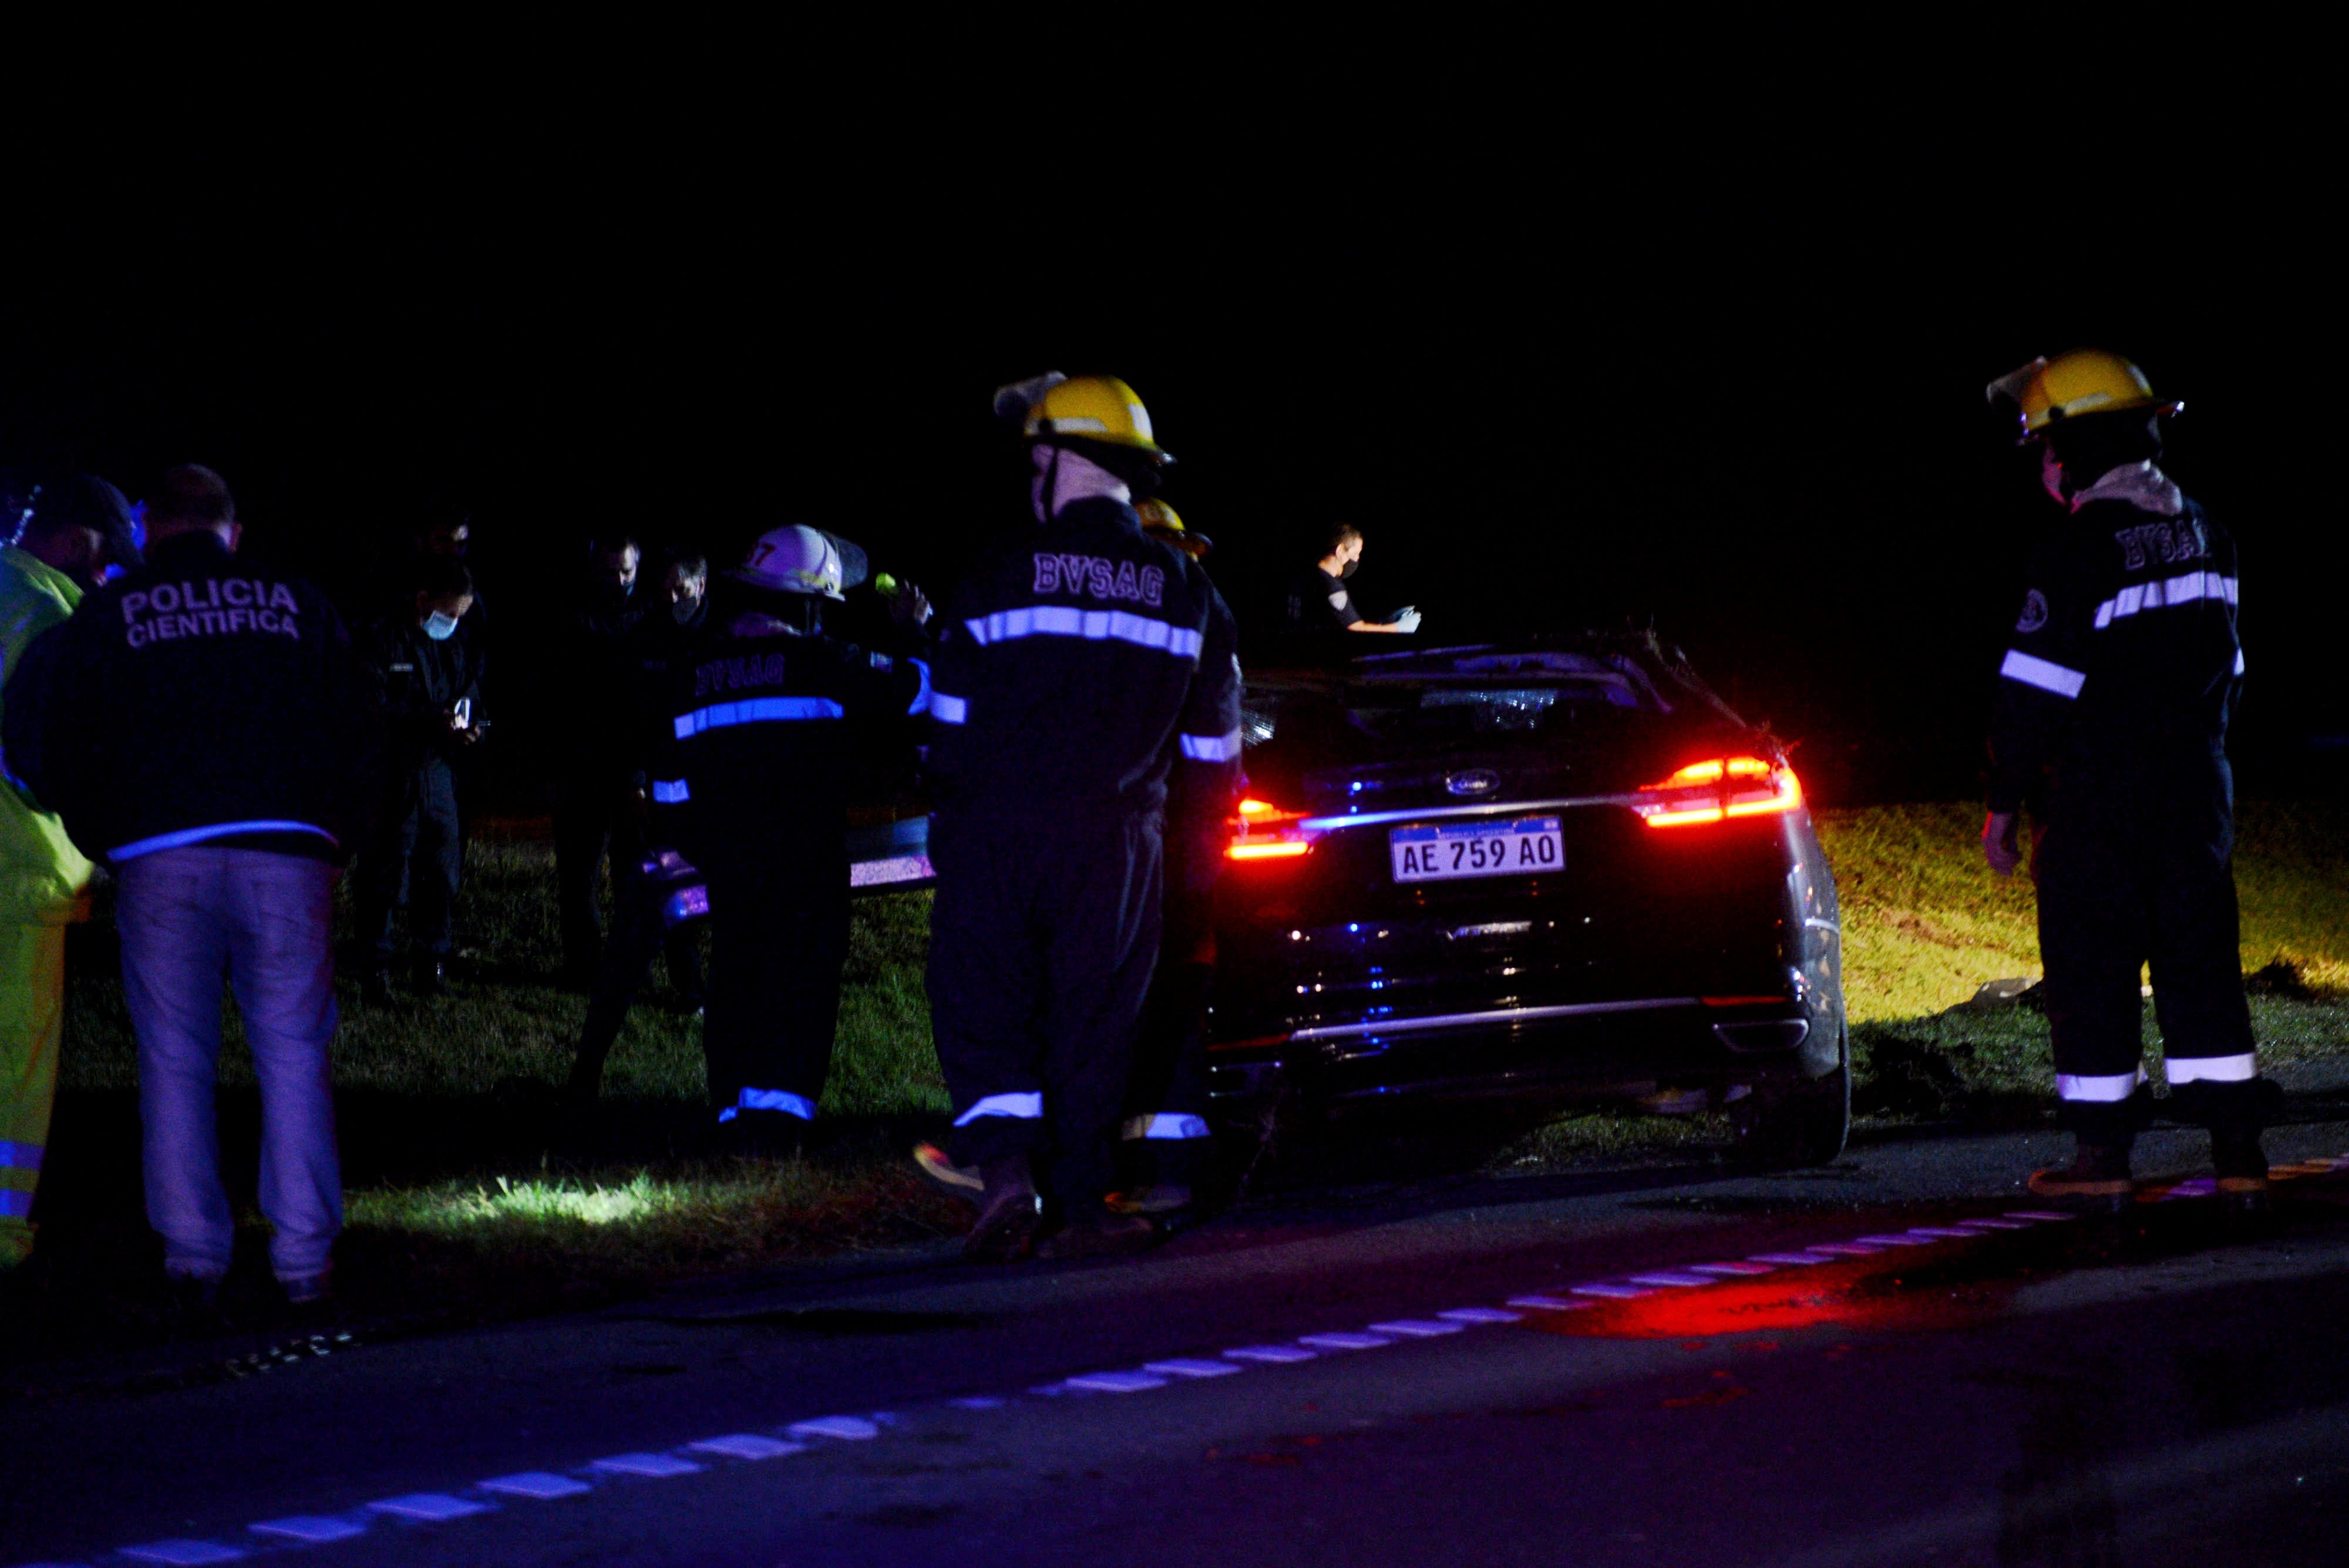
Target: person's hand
point(2001, 847)
point(469, 735)
point(909, 606)
point(1406, 619)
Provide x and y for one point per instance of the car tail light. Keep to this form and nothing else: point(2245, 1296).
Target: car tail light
point(1718, 789)
point(1263, 831)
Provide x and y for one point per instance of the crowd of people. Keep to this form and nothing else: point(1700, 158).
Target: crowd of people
point(208, 728)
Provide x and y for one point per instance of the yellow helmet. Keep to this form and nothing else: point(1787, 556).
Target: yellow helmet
point(2084, 382)
point(1096, 408)
point(1160, 521)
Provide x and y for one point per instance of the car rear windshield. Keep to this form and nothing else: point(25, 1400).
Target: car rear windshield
point(1477, 692)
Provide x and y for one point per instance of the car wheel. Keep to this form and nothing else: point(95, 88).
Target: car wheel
point(1801, 1124)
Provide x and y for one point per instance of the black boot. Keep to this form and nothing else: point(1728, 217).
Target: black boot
point(2098, 1177)
point(1008, 1213)
point(2234, 1112)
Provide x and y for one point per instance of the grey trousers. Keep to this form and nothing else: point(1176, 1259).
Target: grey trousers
point(188, 917)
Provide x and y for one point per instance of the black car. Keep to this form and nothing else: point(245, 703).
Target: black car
point(1555, 868)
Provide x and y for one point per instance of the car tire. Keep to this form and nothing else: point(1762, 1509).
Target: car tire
point(1799, 1125)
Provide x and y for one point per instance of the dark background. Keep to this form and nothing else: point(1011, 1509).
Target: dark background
point(1685, 327)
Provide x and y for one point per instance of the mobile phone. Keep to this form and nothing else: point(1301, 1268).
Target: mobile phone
point(462, 716)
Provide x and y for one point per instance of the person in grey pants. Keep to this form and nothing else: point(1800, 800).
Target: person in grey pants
point(204, 720)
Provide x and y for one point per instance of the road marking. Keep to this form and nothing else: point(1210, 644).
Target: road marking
point(1943, 1232)
point(183, 1553)
point(848, 1428)
point(979, 1402)
point(1416, 1327)
point(1788, 1260)
point(1674, 1281)
point(1610, 1292)
point(310, 1529)
point(2041, 1215)
point(1902, 1239)
point(431, 1507)
point(1343, 1340)
point(1993, 1225)
point(1117, 1382)
point(746, 1446)
point(652, 1467)
point(1276, 1355)
point(1548, 1304)
point(1844, 1249)
point(1184, 1367)
point(1480, 1314)
point(1732, 1270)
point(544, 1486)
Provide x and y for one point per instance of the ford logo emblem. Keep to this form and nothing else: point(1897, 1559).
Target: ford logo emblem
point(1472, 781)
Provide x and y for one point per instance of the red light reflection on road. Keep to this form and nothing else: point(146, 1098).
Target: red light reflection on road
point(1847, 1296)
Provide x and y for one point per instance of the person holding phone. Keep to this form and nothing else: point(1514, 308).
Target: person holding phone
point(427, 686)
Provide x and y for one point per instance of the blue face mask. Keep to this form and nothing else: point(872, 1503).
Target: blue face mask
point(439, 626)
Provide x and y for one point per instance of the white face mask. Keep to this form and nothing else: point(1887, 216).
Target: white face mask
point(439, 626)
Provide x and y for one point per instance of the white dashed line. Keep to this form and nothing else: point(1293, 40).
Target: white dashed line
point(1343, 1340)
point(1846, 1250)
point(1480, 1314)
point(1993, 1225)
point(848, 1428)
point(183, 1553)
point(543, 1486)
point(1610, 1292)
point(1732, 1270)
point(746, 1446)
point(312, 1529)
point(1548, 1304)
point(1117, 1382)
point(650, 1467)
point(1901, 1239)
point(2041, 1215)
point(1272, 1354)
point(1185, 1367)
point(1673, 1282)
point(1416, 1327)
point(431, 1507)
point(1943, 1232)
point(1785, 1259)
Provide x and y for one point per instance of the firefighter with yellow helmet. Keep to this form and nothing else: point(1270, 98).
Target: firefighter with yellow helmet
point(2110, 726)
point(1082, 664)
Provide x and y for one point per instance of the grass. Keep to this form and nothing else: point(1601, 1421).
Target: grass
point(468, 1196)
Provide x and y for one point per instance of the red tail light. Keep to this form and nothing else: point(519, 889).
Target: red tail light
point(1719, 789)
point(1263, 831)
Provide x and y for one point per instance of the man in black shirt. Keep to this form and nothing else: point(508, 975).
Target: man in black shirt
point(428, 684)
point(1318, 599)
point(2111, 725)
point(593, 682)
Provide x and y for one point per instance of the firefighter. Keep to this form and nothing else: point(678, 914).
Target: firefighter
point(2110, 725)
point(1166, 1131)
point(1076, 669)
point(428, 683)
point(752, 768)
point(73, 532)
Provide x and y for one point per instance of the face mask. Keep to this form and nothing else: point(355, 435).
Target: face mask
point(684, 610)
point(437, 626)
point(1347, 569)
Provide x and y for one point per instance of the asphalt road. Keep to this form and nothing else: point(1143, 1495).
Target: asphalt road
point(2162, 1389)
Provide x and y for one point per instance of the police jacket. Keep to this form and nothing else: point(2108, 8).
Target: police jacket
point(200, 699)
point(418, 682)
point(1079, 661)
point(757, 741)
point(1318, 601)
point(2126, 652)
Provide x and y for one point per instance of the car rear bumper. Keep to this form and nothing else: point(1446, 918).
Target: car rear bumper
point(1621, 1048)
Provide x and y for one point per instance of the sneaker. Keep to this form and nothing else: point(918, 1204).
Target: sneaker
point(1008, 1214)
point(1157, 1197)
point(963, 1181)
point(1100, 1236)
point(309, 1290)
point(2098, 1177)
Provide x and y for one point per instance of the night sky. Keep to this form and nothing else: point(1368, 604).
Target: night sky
point(1575, 328)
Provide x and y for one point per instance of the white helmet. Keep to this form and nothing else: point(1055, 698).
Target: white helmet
point(799, 559)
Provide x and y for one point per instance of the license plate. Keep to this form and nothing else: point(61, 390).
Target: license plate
point(1525, 847)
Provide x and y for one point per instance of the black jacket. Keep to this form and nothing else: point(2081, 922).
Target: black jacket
point(418, 683)
point(1079, 662)
point(757, 740)
point(200, 699)
point(2126, 655)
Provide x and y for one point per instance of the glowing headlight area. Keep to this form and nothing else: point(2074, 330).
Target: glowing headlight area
point(1719, 789)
